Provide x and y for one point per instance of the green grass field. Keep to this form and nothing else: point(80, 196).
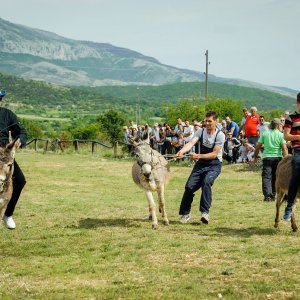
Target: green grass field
point(83, 233)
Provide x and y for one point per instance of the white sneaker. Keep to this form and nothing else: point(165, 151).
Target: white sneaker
point(9, 222)
point(204, 218)
point(184, 218)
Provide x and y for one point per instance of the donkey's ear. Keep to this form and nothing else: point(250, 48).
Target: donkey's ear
point(14, 144)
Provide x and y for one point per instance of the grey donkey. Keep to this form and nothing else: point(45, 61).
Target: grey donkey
point(150, 172)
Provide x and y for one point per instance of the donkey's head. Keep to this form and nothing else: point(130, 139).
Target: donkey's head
point(7, 156)
point(144, 156)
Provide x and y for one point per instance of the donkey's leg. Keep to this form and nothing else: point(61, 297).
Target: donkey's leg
point(279, 200)
point(152, 209)
point(161, 198)
point(293, 220)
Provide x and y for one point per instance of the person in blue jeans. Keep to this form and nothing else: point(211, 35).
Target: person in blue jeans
point(207, 167)
point(292, 133)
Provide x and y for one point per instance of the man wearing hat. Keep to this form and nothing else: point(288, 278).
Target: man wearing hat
point(9, 123)
point(274, 148)
point(292, 133)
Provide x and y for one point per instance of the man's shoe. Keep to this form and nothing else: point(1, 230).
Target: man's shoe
point(204, 218)
point(288, 213)
point(184, 218)
point(267, 199)
point(9, 222)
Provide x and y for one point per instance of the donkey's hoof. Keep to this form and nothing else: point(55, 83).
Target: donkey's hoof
point(150, 217)
point(276, 225)
point(166, 222)
point(295, 229)
point(154, 226)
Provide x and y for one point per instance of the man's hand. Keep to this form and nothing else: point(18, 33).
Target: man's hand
point(194, 156)
point(180, 154)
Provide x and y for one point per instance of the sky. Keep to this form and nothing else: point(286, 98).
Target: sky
point(256, 40)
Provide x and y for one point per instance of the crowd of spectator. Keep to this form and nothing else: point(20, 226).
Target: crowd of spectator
point(239, 147)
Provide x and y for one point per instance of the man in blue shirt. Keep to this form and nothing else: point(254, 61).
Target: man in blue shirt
point(232, 127)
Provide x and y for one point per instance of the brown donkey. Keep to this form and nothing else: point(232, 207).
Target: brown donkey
point(283, 177)
point(7, 156)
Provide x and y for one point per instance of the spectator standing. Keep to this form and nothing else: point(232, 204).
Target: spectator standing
point(132, 124)
point(232, 127)
point(155, 135)
point(242, 126)
point(188, 131)
point(207, 167)
point(179, 125)
point(251, 124)
point(274, 148)
point(263, 125)
point(161, 142)
point(292, 133)
point(197, 126)
point(9, 124)
point(223, 126)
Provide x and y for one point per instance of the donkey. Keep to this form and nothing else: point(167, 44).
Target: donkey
point(283, 177)
point(7, 155)
point(151, 173)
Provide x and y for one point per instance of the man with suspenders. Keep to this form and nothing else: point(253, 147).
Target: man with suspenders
point(206, 169)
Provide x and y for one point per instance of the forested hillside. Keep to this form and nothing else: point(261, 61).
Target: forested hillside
point(42, 99)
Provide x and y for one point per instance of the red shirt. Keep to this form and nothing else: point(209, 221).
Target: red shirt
point(251, 125)
point(293, 122)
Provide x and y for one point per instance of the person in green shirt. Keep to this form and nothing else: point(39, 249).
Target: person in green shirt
point(274, 147)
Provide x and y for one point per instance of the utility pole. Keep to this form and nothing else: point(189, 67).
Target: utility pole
point(138, 106)
point(206, 78)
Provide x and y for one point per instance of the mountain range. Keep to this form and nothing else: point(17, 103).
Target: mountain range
point(40, 55)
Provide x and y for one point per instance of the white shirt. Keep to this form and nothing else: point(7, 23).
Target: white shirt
point(188, 130)
point(210, 140)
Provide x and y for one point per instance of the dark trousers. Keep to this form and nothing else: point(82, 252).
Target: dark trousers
point(269, 176)
point(295, 180)
point(253, 140)
point(233, 158)
point(203, 176)
point(19, 182)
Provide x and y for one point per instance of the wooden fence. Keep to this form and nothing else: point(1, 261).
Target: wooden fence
point(59, 144)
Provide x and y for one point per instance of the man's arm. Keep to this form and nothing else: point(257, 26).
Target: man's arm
point(207, 156)
point(257, 148)
point(187, 147)
point(290, 137)
point(284, 150)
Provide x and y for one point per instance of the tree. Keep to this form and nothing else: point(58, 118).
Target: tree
point(186, 109)
point(226, 107)
point(33, 129)
point(111, 123)
point(86, 132)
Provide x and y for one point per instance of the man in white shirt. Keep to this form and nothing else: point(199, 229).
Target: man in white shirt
point(188, 131)
point(206, 169)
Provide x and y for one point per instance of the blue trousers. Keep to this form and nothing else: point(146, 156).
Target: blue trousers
point(295, 180)
point(203, 176)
